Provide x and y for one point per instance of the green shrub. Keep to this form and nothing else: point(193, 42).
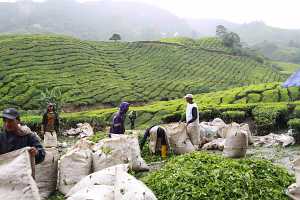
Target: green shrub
point(270, 96)
point(234, 116)
point(253, 98)
point(202, 175)
point(269, 117)
point(209, 114)
point(293, 93)
point(294, 123)
point(297, 112)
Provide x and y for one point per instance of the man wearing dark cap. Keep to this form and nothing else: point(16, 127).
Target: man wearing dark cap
point(13, 138)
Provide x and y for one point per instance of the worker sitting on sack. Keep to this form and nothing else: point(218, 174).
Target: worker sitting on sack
point(13, 137)
point(159, 143)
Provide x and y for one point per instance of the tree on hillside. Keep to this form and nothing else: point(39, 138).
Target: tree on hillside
point(232, 40)
point(115, 37)
point(51, 96)
point(221, 31)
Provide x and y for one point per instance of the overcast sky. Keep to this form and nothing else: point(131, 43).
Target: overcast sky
point(278, 13)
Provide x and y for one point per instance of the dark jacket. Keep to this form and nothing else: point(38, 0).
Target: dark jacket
point(118, 126)
point(11, 142)
point(118, 123)
point(56, 122)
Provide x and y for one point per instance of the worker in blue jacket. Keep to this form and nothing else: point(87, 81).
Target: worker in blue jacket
point(13, 138)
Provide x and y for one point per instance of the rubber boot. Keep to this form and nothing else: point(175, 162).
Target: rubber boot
point(164, 151)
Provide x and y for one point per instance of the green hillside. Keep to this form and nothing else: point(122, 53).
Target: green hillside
point(109, 72)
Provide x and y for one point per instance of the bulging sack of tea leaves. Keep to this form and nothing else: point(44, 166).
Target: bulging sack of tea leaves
point(218, 123)
point(216, 144)
point(245, 127)
point(128, 187)
point(209, 131)
point(193, 131)
point(46, 173)
point(105, 177)
point(83, 130)
point(118, 150)
point(228, 130)
point(179, 139)
point(50, 139)
point(293, 192)
point(185, 147)
point(74, 165)
point(234, 127)
point(236, 144)
point(16, 182)
point(95, 192)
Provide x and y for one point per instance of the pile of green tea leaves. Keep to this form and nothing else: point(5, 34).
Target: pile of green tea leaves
point(203, 175)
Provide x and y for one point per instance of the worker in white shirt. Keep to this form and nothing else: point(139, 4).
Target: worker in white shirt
point(192, 120)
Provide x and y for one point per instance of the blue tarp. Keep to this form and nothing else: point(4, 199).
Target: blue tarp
point(293, 81)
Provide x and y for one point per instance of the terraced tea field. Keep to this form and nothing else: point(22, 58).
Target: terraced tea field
point(90, 73)
point(208, 43)
point(269, 106)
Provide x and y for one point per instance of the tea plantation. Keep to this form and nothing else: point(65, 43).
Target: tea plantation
point(90, 73)
point(269, 106)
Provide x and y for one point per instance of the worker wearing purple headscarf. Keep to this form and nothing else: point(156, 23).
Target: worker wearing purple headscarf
point(118, 123)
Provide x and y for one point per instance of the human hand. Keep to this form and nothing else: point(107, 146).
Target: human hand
point(33, 151)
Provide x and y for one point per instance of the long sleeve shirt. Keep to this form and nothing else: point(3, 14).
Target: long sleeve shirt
point(194, 115)
point(118, 124)
point(11, 142)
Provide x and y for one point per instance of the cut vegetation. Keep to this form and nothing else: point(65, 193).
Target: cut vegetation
point(206, 176)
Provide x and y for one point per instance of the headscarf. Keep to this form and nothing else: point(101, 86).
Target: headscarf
point(123, 107)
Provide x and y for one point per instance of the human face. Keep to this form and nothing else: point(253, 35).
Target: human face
point(189, 100)
point(10, 125)
point(50, 108)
